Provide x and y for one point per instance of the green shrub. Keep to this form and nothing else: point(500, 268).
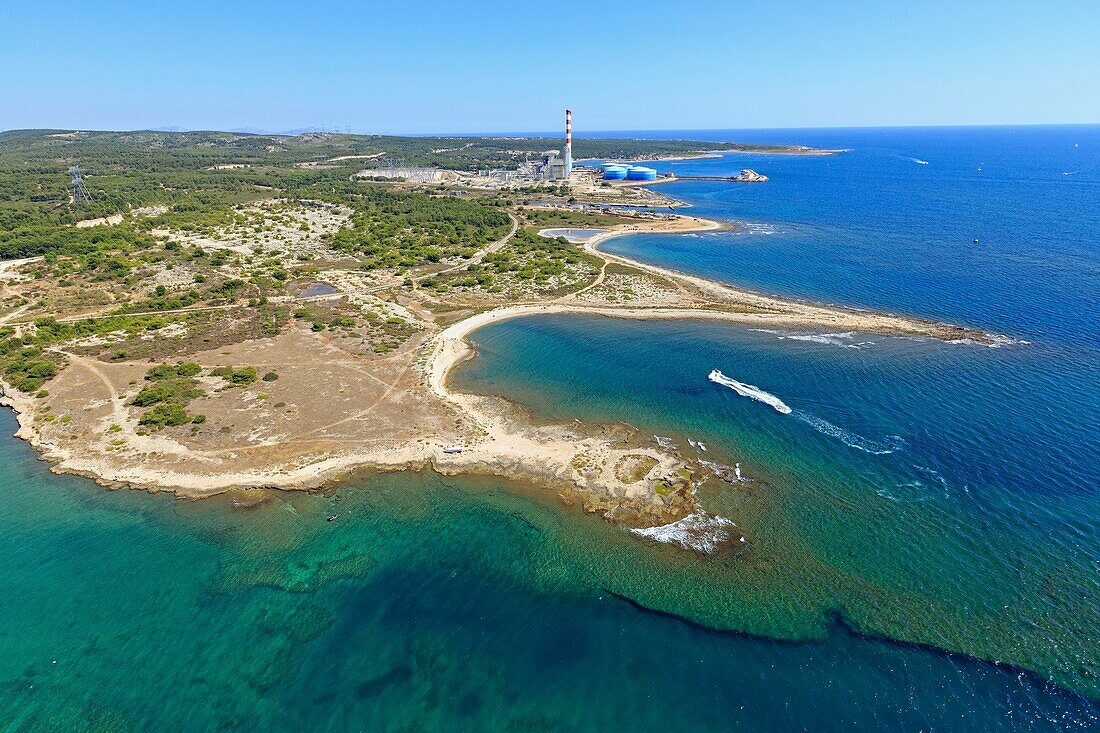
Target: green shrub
point(165, 414)
point(169, 371)
point(178, 391)
point(236, 377)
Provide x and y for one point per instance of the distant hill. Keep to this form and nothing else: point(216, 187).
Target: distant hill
point(175, 149)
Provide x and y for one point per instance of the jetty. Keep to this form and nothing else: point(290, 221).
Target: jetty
point(747, 175)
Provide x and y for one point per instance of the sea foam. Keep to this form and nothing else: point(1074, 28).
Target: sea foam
point(842, 339)
point(750, 391)
point(698, 531)
point(995, 341)
point(729, 474)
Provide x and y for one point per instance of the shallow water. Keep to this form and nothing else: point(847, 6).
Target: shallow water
point(315, 290)
point(429, 604)
point(922, 492)
point(576, 236)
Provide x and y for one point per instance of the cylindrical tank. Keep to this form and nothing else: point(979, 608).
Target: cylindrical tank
point(641, 173)
point(614, 172)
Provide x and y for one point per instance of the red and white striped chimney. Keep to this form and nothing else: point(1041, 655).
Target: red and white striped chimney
point(568, 141)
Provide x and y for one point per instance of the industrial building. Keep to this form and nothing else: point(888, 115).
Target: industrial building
point(614, 172)
point(551, 167)
point(622, 171)
point(554, 166)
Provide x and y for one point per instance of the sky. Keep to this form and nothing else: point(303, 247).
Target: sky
point(453, 67)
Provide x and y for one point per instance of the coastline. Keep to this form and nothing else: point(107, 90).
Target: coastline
point(581, 462)
point(705, 154)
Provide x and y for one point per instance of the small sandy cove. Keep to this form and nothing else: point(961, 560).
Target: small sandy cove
point(332, 411)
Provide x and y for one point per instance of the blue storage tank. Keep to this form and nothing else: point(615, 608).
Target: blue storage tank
point(614, 172)
point(641, 173)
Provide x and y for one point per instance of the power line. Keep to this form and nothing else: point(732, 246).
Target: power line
point(80, 193)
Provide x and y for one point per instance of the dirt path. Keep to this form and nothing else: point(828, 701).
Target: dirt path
point(118, 410)
point(590, 246)
point(594, 284)
point(359, 413)
point(492, 247)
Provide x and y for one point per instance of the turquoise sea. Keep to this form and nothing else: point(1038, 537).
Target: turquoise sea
point(924, 525)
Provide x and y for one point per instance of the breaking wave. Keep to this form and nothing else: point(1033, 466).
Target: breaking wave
point(842, 339)
point(877, 447)
point(698, 531)
point(664, 442)
point(753, 228)
point(996, 341)
point(729, 474)
point(748, 390)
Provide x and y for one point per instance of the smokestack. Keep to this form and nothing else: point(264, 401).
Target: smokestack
point(568, 142)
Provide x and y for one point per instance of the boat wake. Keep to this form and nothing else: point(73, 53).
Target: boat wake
point(850, 439)
point(917, 490)
point(876, 447)
point(748, 390)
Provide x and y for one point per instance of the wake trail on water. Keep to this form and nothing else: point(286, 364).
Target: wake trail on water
point(850, 439)
point(750, 391)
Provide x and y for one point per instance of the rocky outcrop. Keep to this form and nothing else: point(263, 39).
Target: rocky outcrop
point(748, 175)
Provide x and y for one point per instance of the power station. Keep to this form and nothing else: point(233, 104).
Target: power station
point(553, 166)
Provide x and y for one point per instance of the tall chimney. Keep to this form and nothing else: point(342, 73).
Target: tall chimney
point(568, 142)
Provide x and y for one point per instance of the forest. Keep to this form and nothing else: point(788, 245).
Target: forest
point(194, 181)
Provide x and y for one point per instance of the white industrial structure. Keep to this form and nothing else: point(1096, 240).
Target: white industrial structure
point(553, 166)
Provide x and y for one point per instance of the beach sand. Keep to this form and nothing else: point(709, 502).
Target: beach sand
point(347, 411)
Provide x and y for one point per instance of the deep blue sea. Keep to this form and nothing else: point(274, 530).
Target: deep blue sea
point(923, 526)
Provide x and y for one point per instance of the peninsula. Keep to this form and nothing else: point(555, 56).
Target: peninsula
point(241, 312)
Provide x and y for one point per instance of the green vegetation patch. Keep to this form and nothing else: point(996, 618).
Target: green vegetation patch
point(528, 258)
point(394, 228)
point(171, 387)
point(551, 218)
point(236, 377)
point(27, 368)
point(663, 488)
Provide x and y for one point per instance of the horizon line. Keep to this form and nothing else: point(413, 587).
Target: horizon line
point(306, 130)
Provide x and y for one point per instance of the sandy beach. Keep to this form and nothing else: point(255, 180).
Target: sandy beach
point(361, 416)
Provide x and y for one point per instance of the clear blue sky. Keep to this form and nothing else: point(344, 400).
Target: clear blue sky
point(448, 66)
